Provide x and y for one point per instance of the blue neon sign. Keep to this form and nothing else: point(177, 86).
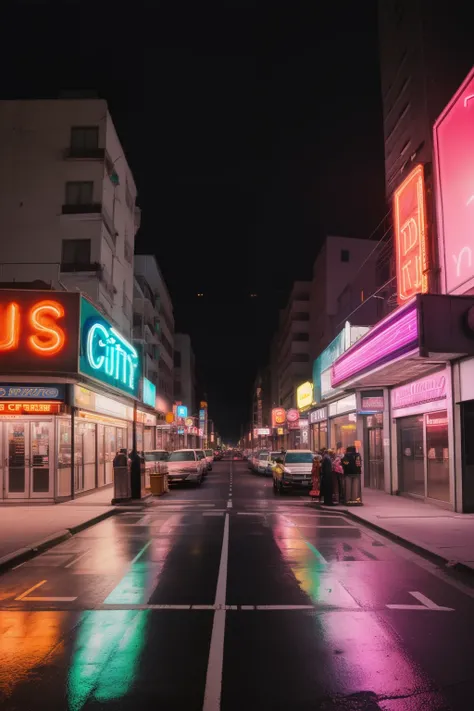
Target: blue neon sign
point(181, 411)
point(149, 392)
point(105, 354)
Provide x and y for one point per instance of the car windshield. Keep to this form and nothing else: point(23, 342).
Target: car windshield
point(208, 452)
point(263, 455)
point(299, 458)
point(274, 455)
point(156, 456)
point(181, 457)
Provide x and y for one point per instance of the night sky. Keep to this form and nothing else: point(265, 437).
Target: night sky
point(251, 135)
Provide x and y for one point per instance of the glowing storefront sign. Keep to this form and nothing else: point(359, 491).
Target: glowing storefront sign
point(105, 354)
point(454, 161)
point(292, 415)
point(304, 395)
point(278, 416)
point(33, 392)
point(433, 387)
point(181, 411)
point(149, 392)
point(29, 408)
point(411, 236)
point(392, 337)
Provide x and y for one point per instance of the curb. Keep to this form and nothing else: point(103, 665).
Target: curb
point(21, 555)
point(405, 542)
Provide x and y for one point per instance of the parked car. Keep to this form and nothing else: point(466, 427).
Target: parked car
point(156, 462)
point(267, 470)
point(256, 458)
point(297, 471)
point(209, 458)
point(218, 455)
point(186, 465)
point(202, 456)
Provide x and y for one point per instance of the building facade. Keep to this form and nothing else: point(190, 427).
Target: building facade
point(153, 326)
point(185, 373)
point(68, 202)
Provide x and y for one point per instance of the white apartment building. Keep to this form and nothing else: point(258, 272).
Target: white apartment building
point(67, 202)
point(153, 325)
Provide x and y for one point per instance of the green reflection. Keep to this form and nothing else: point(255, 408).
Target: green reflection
point(131, 590)
point(106, 655)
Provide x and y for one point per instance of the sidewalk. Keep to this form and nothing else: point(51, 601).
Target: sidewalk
point(28, 528)
point(447, 535)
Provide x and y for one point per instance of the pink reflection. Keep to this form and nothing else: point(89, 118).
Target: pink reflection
point(368, 655)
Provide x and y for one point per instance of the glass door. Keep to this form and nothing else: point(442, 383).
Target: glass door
point(27, 462)
point(40, 470)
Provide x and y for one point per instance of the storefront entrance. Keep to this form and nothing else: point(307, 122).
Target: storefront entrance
point(423, 461)
point(27, 459)
point(374, 464)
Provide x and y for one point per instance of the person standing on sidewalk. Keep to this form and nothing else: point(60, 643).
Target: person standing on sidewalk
point(352, 466)
point(326, 478)
point(315, 492)
point(337, 478)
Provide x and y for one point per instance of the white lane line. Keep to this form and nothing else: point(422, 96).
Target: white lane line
point(76, 560)
point(23, 595)
point(250, 513)
point(426, 604)
point(26, 595)
point(141, 552)
point(213, 513)
point(247, 607)
point(229, 504)
point(284, 607)
point(213, 690)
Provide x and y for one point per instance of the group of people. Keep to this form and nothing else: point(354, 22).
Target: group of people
point(336, 477)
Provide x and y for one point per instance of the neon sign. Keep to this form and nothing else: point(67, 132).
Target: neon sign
point(411, 236)
point(46, 337)
point(396, 335)
point(278, 416)
point(181, 411)
point(29, 408)
point(304, 395)
point(453, 136)
point(105, 354)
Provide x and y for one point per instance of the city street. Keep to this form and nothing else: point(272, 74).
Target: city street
point(230, 597)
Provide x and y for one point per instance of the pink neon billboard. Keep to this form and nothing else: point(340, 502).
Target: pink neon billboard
point(396, 335)
point(454, 161)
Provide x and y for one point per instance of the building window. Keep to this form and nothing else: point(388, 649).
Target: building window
point(177, 359)
point(301, 337)
point(345, 255)
point(79, 192)
point(75, 254)
point(301, 316)
point(300, 358)
point(84, 139)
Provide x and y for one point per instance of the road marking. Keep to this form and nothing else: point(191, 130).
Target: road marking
point(141, 552)
point(229, 504)
point(426, 604)
point(213, 513)
point(250, 513)
point(26, 595)
point(23, 595)
point(284, 607)
point(76, 560)
point(213, 690)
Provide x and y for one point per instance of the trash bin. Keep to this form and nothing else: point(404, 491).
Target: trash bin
point(157, 483)
point(166, 484)
point(122, 488)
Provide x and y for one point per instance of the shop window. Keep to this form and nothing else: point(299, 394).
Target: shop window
point(343, 432)
point(437, 455)
point(64, 458)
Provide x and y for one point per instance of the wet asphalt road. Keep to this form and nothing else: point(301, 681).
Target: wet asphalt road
point(229, 597)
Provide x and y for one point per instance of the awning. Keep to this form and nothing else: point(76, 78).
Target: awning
point(412, 341)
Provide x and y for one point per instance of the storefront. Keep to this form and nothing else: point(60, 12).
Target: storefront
point(413, 346)
point(371, 411)
point(420, 417)
point(60, 431)
point(343, 423)
point(318, 422)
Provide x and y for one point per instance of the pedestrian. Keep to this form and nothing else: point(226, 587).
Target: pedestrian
point(326, 478)
point(352, 466)
point(337, 477)
point(315, 492)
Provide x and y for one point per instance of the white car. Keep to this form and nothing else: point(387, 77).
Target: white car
point(210, 458)
point(186, 465)
point(257, 457)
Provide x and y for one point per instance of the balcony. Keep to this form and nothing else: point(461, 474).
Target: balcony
point(107, 284)
point(73, 153)
point(68, 267)
point(82, 209)
point(128, 252)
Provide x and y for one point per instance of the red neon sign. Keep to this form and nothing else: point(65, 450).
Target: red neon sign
point(29, 408)
point(46, 337)
point(453, 136)
point(411, 236)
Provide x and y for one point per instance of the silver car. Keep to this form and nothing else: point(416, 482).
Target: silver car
point(186, 465)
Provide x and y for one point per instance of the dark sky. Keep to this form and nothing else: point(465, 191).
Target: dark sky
point(251, 135)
